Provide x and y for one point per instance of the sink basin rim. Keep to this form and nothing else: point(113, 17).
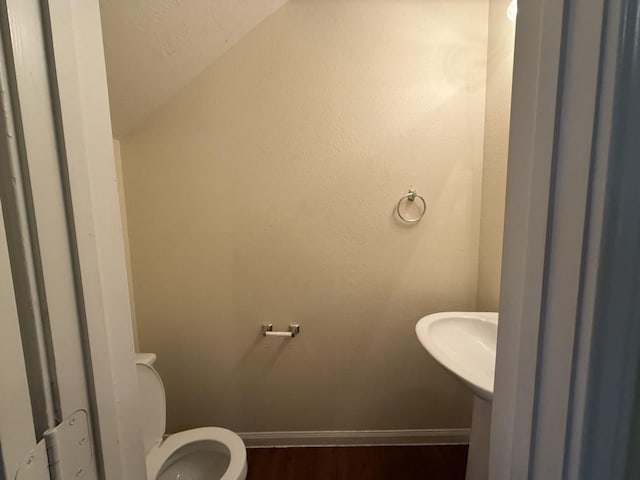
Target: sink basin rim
point(480, 386)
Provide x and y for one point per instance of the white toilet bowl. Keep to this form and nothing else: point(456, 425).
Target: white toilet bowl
point(208, 453)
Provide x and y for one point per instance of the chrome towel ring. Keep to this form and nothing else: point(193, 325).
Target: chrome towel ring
point(411, 196)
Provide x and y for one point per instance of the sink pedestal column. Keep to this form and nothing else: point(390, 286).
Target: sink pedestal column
point(478, 457)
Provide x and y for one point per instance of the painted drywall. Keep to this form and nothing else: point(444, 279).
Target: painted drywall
point(496, 146)
point(125, 232)
point(155, 48)
point(265, 191)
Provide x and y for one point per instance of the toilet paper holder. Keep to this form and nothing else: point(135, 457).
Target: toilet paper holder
point(267, 330)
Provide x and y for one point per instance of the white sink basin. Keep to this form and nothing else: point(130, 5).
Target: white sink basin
point(465, 344)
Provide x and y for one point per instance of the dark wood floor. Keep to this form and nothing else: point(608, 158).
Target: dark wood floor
point(358, 463)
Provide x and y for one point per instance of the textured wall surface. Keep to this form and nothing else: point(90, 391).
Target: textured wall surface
point(496, 152)
point(264, 192)
point(125, 231)
point(154, 48)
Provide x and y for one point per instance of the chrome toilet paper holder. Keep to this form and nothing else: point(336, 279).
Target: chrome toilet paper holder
point(267, 330)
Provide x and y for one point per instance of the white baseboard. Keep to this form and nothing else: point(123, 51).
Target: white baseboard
point(342, 438)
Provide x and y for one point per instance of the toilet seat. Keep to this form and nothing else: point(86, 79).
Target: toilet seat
point(160, 456)
point(196, 452)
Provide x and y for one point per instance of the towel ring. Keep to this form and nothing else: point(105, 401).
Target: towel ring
point(411, 196)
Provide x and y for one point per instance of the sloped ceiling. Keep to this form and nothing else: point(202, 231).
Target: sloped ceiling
point(153, 48)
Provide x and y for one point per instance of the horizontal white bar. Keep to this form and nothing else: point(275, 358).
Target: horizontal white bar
point(278, 334)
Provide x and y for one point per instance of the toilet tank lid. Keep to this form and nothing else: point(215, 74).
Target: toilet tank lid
point(152, 413)
point(146, 359)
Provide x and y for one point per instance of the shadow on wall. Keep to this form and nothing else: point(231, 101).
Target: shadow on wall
point(263, 192)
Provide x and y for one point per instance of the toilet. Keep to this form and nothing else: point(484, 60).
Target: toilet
point(208, 453)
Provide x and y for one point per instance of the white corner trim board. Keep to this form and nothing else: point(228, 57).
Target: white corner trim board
point(353, 438)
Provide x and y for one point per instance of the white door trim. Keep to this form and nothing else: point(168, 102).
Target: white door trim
point(529, 177)
point(66, 157)
point(16, 419)
point(76, 44)
point(559, 197)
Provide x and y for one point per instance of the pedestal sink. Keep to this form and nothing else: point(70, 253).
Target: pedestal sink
point(464, 343)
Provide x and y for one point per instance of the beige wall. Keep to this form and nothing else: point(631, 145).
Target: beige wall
point(264, 192)
point(117, 154)
point(154, 48)
point(496, 143)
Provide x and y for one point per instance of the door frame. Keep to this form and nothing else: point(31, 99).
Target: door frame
point(570, 222)
point(58, 46)
point(78, 55)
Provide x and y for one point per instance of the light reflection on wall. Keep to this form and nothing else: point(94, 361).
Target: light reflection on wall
point(512, 10)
